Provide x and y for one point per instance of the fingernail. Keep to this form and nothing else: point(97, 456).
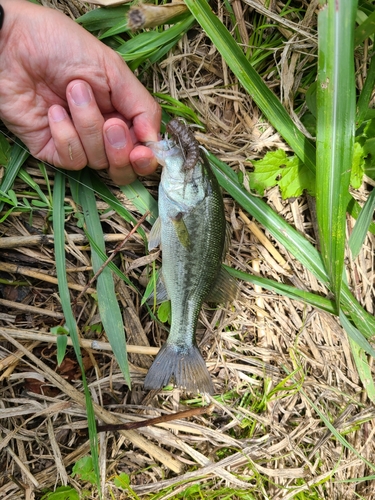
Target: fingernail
point(142, 163)
point(80, 94)
point(57, 113)
point(116, 136)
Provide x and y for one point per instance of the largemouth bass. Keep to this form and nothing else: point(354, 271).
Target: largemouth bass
point(191, 229)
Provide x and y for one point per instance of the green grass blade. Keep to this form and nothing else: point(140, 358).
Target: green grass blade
point(335, 131)
point(25, 177)
point(99, 19)
point(104, 192)
point(141, 199)
point(362, 225)
point(59, 242)
point(177, 108)
point(18, 156)
point(364, 369)
point(109, 309)
point(146, 43)
point(288, 291)
point(365, 29)
point(355, 335)
point(103, 256)
point(252, 82)
point(4, 150)
point(119, 27)
point(354, 209)
point(340, 438)
point(366, 93)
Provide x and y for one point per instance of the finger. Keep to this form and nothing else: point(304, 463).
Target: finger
point(135, 103)
point(65, 149)
point(88, 121)
point(143, 160)
point(118, 145)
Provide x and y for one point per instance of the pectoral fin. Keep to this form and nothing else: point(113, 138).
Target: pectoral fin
point(155, 235)
point(159, 291)
point(181, 231)
point(225, 288)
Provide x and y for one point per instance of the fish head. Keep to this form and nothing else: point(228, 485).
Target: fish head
point(185, 187)
point(168, 154)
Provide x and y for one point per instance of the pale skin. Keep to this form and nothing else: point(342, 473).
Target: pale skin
point(70, 98)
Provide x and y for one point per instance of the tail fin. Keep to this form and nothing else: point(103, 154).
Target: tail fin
point(185, 367)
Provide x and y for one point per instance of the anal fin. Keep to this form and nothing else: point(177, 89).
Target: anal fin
point(159, 291)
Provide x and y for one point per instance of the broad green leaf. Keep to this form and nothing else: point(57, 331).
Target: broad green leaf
point(335, 131)
point(62, 493)
point(164, 312)
point(288, 172)
point(358, 166)
point(61, 343)
point(293, 241)
point(122, 481)
point(84, 469)
point(252, 82)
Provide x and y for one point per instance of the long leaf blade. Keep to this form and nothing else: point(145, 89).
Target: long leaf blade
point(335, 131)
point(109, 309)
point(59, 243)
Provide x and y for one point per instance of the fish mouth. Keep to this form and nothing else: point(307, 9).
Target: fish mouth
point(164, 151)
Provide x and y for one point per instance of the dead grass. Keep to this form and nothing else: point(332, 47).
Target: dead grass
point(269, 357)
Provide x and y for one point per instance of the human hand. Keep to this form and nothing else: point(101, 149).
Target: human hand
point(71, 99)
